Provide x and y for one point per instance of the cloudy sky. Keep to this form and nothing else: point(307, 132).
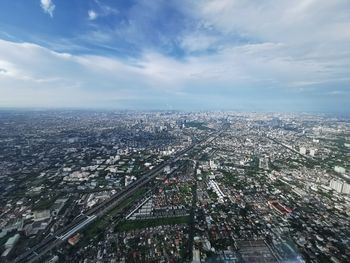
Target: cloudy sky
point(268, 55)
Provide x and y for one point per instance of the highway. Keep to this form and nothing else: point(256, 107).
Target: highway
point(36, 252)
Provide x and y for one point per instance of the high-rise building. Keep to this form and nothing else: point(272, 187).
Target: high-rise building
point(312, 152)
point(339, 169)
point(336, 185)
point(346, 188)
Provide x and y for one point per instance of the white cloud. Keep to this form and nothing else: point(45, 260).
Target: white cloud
point(92, 15)
point(60, 79)
point(283, 44)
point(308, 37)
point(36, 76)
point(286, 45)
point(304, 23)
point(198, 42)
point(101, 10)
point(48, 6)
point(106, 10)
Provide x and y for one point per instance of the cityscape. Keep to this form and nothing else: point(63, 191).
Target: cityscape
point(167, 131)
point(168, 186)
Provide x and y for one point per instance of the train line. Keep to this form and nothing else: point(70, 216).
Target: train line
point(55, 239)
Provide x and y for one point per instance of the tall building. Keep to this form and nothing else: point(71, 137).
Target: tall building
point(302, 150)
point(339, 169)
point(346, 188)
point(312, 152)
point(339, 186)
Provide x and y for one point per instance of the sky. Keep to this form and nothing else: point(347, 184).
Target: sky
point(257, 55)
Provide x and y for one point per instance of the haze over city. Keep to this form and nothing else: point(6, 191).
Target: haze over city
point(190, 55)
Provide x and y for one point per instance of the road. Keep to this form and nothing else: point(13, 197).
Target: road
point(35, 253)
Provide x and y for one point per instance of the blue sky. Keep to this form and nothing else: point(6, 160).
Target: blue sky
point(166, 54)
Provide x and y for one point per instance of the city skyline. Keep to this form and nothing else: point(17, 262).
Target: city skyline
point(127, 186)
point(197, 55)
